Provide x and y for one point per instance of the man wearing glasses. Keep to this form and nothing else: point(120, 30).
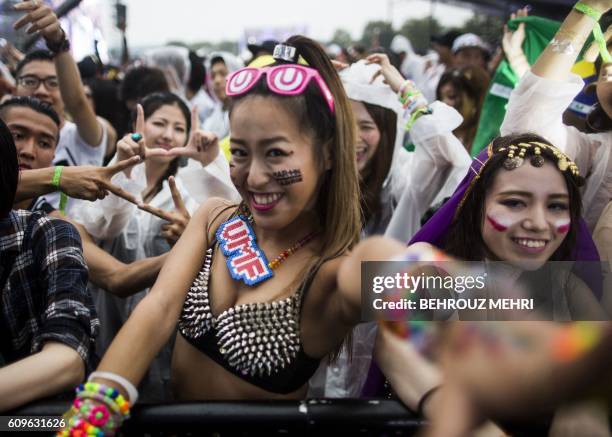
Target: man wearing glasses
point(53, 77)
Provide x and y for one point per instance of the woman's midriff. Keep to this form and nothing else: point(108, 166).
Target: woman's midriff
point(197, 377)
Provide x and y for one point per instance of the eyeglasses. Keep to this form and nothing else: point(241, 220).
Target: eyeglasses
point(33, 82)
point(286, 80)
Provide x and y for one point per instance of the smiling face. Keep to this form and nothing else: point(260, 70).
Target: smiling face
point(41, 71)
point(166, 128)
point(368, 136)
point(273, 165)
point(527, 215)
point(35, 136)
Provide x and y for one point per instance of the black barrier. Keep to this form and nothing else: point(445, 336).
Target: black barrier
point(314, 417)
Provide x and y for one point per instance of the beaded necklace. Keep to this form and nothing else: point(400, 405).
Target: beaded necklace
point(291, 250)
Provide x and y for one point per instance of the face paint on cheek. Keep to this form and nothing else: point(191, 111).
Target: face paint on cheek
point(562, 226)
point(288, 177)
point(500, 224)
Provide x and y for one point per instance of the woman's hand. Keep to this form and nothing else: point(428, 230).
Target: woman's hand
point(202, 146)
point(177, 219)
point(392, 76)
point(512, 42)
point(134, 144)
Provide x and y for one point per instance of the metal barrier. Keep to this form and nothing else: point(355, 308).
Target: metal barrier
point(314, 417)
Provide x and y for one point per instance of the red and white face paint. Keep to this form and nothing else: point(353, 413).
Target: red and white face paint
point(527, 215)
point(500, 223)
point(563, 226)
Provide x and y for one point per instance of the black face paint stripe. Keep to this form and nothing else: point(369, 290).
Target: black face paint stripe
point(288, 177)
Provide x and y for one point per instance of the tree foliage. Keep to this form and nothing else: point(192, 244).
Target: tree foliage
point(420, 30)
point(342, 38)
point(488, 27)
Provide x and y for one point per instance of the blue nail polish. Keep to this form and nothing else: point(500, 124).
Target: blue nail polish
point(136, 137)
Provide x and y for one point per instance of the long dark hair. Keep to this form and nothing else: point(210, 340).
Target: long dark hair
point(464, 239)
point(152, 103)
point(378, 167)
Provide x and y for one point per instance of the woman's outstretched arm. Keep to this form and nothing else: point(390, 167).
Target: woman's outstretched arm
point(154, 319)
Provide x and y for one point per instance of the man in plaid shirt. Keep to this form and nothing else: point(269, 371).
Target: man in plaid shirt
point(47, 320)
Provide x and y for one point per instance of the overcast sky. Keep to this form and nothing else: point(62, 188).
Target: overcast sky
point(157, 22)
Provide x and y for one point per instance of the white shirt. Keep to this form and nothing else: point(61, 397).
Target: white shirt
point(537, 105)
point(72, 150)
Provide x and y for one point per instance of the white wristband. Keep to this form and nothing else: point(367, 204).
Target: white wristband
point(124, 383)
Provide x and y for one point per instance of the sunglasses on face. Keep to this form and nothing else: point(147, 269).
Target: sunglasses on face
point(285, 80)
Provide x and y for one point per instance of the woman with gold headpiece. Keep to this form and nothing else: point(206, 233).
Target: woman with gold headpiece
point(519, 203)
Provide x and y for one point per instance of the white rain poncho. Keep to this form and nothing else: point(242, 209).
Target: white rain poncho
point(218, 119)
point(174, 62)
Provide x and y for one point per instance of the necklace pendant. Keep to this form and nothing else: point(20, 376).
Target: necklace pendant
point(245, 260)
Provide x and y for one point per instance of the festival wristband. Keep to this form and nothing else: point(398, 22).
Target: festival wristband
point(57, 175)
point(404, 85)
point(124, 383)
point(414, 116)
point(597, 32)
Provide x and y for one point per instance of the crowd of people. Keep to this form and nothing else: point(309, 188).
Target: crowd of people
point(240, 200)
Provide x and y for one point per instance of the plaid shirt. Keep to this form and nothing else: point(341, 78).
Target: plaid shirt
point(43, 280)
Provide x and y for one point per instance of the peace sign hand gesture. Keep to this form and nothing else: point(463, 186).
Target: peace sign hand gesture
point(202, 146)
point(90, 182)
point(178, 219)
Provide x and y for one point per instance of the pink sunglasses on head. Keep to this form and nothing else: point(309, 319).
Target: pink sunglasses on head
point(286, 80)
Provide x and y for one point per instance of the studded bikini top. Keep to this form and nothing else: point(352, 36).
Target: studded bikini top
point(258, 342)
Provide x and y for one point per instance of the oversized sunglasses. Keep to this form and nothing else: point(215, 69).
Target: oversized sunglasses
point(286, 80)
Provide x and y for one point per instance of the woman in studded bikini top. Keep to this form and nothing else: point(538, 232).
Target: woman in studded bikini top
point(253, 286)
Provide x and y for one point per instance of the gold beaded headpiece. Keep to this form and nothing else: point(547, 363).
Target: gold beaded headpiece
point(516, 157)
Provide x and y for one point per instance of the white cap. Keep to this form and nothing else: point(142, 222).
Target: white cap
point(470, 40)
